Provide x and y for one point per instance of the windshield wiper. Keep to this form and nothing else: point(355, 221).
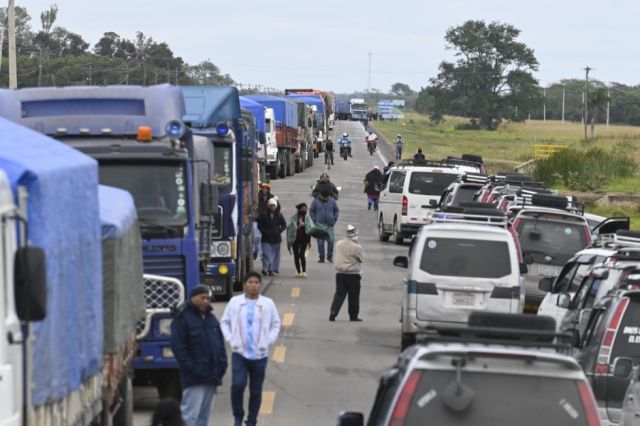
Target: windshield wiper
point(151, 223)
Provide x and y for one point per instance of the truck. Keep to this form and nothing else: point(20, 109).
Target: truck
point(320, 122)
point(359, 109)
point(343, 110)
point(306, 138)
point(214, 112)
point(71, 296)
point(327, 97)
point(286, 115)
point(267, 147)
point(141, 145)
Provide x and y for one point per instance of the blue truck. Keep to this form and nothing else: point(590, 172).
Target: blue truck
point(214, 112)
point(343, 110)
point(142, 146)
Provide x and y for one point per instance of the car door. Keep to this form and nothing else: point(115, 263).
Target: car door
point(549, 305)
point(391, 199)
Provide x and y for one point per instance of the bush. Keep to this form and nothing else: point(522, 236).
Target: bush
point(585, 170)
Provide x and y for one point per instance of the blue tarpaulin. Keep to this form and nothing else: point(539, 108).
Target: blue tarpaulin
point(256, 109)
point(286, 111)
point(309, 100)
point(117, 211)
point(62, 206)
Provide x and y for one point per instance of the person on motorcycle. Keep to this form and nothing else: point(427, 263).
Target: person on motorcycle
point(345, 141)
point(372, 141)
point(325, 183)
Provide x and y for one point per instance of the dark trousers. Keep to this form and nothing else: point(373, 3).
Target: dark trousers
point(347, 284)
point(299, 260)
point(253, 370)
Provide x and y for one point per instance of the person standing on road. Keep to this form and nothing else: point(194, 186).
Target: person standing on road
point(324, 210)
point(198, 345)
point(271, 224)
point(419, 155)
point(250, 324)
point(298, 238)
point(399, 145)
point(349, 259)
point(372, 186)
point(264, 195)
point(328, 152)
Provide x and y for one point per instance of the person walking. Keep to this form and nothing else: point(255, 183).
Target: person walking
point(419, 155)
point(399, 145)
point(328, 153)
point(271, 224)
point(198, 346)
point(349, 259)
point(372, 186)
point(264, 195)
point(325, 183)
point(250, 325)
point(324, 210)
point(298, 238)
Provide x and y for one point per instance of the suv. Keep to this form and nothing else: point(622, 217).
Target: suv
point(410, 192)
point(464, 189)
point(459, 264)
point(484, 374)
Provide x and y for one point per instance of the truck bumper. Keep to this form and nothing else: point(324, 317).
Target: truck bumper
point(221, 284)
point(154, 355)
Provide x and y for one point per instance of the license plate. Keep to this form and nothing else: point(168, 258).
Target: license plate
point(463, 299)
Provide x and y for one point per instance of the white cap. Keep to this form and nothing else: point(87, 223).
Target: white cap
point(352, 232)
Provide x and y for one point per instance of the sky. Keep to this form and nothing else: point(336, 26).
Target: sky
point(325, 43)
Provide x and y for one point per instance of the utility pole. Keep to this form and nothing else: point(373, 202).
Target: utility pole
point(562, 106)
point(586, 100)
point(13, 67)
point(369, 83)
point(544, 105)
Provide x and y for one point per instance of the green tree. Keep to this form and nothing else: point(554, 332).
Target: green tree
point(207, 72)
point(491, 76)
point(401, 89)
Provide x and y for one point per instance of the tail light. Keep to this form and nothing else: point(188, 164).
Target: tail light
point(587, 235)
point(404, 400)
point(604, 355)
point(513, 233)
point(588, 401)
point(405, 205)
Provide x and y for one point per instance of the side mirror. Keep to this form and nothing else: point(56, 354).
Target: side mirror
point(523, 268)
point(528, 259)
point(564, 300)
point(30, 283)
point(545, 284)
point(208, 199)
point(262, 138)
point(622, 367)
point(574, 337)
point(433, 203)
point(351, 418)
point(401, 261)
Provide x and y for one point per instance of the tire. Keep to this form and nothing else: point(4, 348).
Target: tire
point(290, 164)
point(382, 236)
point(282, 166)
point(397, 236)
point(407, 340)
point(273, 172)
point(169, 386)
point(299, 165)
point(124, 416)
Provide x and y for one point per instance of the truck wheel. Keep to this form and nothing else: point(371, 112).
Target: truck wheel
point(290, 164)
point(407, 340)
point(273, 172)
point(397, 235)
point(382, 236)
point(282, 166)
point(169, 386)
point(299, 165)
point(124, 415)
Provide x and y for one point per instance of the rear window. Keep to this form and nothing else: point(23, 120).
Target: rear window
point(459, 257)
point(427, 183)
point(558, 240)
point(547, 401)
point(464, 194)
point(627, 341)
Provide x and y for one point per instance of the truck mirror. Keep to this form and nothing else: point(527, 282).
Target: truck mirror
point(564, 300)
point(208, 198)
point(351, 418)
point(433, 203)
point(30, 283)
point(262, 138)
point(401, 261)
point(524, 269)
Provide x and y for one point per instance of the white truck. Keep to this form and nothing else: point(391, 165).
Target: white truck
point(359, 109)
point(273, 159)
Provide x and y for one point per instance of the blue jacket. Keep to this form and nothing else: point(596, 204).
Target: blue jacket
point(198, 345)
point(325, 213)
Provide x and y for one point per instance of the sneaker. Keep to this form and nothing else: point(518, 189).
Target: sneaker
point(270, 273)
point(264, 272)
point(369, 207)
point(356, 319)
point(330, 259)
point(332, 318)
point(298, 274)
point(321, 261)
point(303, 275)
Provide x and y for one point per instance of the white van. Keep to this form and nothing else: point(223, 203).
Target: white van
point(458, 267)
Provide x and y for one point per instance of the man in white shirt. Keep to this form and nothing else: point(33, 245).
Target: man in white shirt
point(250, 325)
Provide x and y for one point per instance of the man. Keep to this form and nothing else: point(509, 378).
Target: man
point(271, 225)
point(372, 139)
point(198, 345)
point(250, 324)
point(328, 152)
point(387, 168)
point(399, 145)
point(325, 183)
point(264, 195)
point(372, 186)
point(419, 155)
point(349, 258)
point(345, 140)
point(324, 210)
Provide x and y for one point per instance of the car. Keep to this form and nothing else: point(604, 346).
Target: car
point(464, 189)
point(460, 263)
point(500, 370)
point(410, 192)
point(630, 415)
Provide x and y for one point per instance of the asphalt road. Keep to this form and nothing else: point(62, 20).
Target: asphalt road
point(319, 368)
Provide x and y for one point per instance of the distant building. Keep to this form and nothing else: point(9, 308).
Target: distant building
point(391, 108)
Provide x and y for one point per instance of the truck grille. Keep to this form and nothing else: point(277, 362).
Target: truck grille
point(169, 266)
point(161, 294)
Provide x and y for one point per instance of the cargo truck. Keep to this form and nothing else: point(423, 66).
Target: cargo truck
point(343, 110)
point(266, 142)
point(328, 99)
point(318, 106)
point(359, 109)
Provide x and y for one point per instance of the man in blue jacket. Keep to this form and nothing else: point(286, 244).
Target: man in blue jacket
point(324, 210)
point(198, 345)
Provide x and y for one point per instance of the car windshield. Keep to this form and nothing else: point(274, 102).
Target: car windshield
point(159, 190)
point(428, 183)
point(223, 164)
point(551, 242)
point(458, 257)
point(548, 400)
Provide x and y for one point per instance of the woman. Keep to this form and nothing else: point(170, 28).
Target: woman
point(372, 184)
point(299, 239)
point(271, 224)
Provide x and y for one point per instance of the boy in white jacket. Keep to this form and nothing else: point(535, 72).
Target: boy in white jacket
point(250, 324)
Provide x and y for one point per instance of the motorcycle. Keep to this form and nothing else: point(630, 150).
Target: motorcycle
point(372, 146)
point(344, 151)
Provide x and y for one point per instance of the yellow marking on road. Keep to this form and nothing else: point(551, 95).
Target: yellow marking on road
point(279, 353)
point(287, 321)
point(295, 292)
point(268, 398)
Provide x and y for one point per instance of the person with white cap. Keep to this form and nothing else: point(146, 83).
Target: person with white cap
point(348, 262)
point(271, 225)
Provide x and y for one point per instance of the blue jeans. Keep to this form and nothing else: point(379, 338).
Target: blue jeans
point(329, 248)
point(271, 257)
point(253, 370)
point(398, 152)
point(257, 236)
point(197, 404)
point(373, 201)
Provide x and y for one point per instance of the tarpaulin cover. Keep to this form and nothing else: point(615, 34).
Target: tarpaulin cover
point(123, 285)
point(286, 111)
point(62, 206)
point(256, 109)
point(207, 106)
point(310, 100)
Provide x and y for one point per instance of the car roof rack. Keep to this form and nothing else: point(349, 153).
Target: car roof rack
point(474, 178)
point(428, 163)
point(462, 162)
point(472, 216)
point(620, 239)
point(538, 199)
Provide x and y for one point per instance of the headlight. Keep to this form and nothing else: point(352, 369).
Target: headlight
point(223, 249)
point(167, 352)
point(164, 326)
point(223, 269)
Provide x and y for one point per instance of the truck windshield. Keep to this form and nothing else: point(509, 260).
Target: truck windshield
point(223, 164)
point(159, 190)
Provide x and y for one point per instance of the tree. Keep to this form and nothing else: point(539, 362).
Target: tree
point(207, 72)
point(597, 103)
point(401, 89)
point(491, 76)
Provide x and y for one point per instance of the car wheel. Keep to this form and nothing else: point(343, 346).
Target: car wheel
point(382, 236)
point(407, 340)
point(397, 236)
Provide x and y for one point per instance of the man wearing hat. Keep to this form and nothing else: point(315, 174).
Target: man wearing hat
point(349, 258)
point(271, 225)
point(198, 346)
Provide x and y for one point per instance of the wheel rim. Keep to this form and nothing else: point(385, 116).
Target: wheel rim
point(380, 228)
point(395, 230)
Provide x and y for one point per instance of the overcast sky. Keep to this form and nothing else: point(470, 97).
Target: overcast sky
point(324, 43)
